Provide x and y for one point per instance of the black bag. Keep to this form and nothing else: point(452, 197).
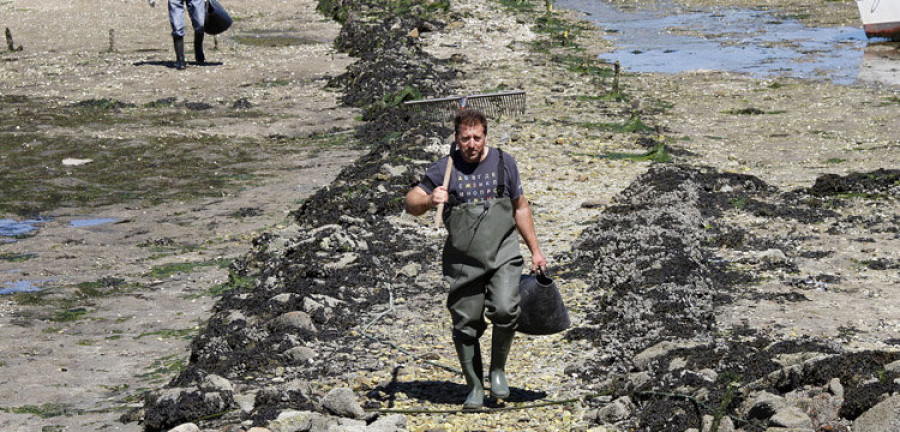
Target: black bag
point(542, 311)
point(217, 20)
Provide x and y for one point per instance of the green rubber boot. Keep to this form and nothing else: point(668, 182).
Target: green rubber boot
point(501, 341)
point(470, 361)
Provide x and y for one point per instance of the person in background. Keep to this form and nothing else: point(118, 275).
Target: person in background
point(197, 10)
point(484, 207)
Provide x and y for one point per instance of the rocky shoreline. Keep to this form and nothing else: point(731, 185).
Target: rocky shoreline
point(645, 277)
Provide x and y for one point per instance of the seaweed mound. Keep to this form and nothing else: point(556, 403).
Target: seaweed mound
point(657, 270)
point(297, 294)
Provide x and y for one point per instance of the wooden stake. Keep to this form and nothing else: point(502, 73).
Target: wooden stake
point(9, 41)
point(616, 67)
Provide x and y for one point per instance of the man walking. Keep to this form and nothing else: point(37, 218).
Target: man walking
point(197, 10)
point(484, 206)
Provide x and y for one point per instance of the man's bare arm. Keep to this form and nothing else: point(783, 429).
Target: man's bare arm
point(525, 225)
point(418, 201)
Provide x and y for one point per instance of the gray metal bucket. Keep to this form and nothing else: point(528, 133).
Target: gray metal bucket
point(542, 308)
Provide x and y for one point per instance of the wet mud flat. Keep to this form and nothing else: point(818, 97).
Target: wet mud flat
point(129, 189)
point(678, 245)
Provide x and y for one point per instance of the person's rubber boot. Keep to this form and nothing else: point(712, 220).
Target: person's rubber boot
point(180, 64)
point(469, 354)
point(198, 48)
point(501, 341)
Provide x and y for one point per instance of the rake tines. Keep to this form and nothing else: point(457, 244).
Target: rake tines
point(493, 105)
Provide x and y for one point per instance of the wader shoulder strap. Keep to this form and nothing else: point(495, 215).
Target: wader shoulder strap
point(501, 176)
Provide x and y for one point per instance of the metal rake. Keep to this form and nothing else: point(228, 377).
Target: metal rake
point(493, 105)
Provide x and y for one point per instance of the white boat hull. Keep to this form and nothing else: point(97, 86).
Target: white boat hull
point(880, 18)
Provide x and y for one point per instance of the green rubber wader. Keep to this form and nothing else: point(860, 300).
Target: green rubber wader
point(482, 264)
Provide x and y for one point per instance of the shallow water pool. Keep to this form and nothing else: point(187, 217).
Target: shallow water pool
point(11, 228)
point(736, 40)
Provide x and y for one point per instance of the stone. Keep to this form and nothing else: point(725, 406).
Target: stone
point(323, 423)
point(709, 374)
point(299, 355)
point(791, 417)
point(295, 320)
point(216, 383)
point(348, 425)
point(245, 401)
point(186, 427)
point(643, 359)
point(410, 270)
point(391, 423)
point(342, 402)
point(318, 311)
point(394, 171)
point(835, 387)
point(762, 406)
point(638, 379)
point(292, 421)
point(883, 417)
point(282, 298)
point(773, 256)
point(893, 367)
point(725, 424)
point(677, 363)
point(620, 409)
point(343, 262)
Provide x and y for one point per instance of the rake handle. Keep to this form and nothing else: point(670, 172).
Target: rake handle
point(440, 207)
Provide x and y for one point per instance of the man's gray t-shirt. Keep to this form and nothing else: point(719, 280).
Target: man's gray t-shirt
point(474, 183)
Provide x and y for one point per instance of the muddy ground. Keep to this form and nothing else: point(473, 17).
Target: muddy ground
point(121, 301)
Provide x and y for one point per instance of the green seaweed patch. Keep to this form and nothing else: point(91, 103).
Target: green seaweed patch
point(392, 100)
point(339, 10)
point(102, 104)
point(69, 315)
point(186, 334)
point(104, 287)
point(320, 140)
point(634, 124)
point(417, 8)
point(161, 103)
point(16, 257)
point(47, 410)
point(583, 65)
point(659, 153)
point(154, 170)
point(167, 270)
point(752, 111)
point(835, 160)
point(519, 5)
point(794, 16)
point(235, 282)
point(891, 100)
point(13, 99)
point(739, 203)
point(274, 40)
point(164, 367)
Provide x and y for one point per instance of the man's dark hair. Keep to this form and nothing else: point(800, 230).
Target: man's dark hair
point(469, 117)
